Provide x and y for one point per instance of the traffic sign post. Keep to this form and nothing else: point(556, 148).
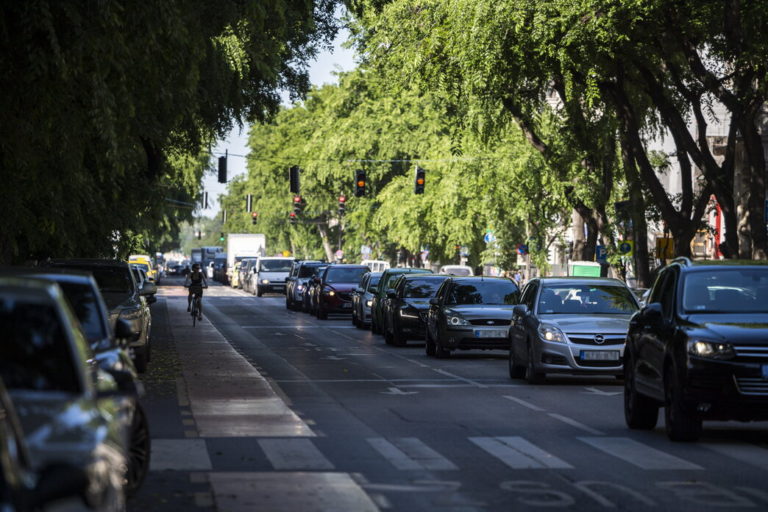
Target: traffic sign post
point(627, 248)
point(601, 254)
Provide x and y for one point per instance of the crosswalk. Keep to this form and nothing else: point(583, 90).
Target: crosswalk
point(515, 452)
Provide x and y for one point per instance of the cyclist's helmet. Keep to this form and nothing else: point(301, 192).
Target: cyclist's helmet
point(196, 266)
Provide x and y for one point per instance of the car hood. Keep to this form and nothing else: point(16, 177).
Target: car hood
point(747, 329)
point(482, 311)
point(274, 276)
point(589, 324)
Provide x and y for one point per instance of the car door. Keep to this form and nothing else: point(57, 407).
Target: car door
point(436, 314)
point(654, 335)
point(519, 327)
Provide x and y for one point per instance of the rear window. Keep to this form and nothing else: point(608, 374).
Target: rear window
point(308, 270)
point(85, 304)
point(34, 350)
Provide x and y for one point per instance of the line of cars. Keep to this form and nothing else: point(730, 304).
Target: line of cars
point(70, 391)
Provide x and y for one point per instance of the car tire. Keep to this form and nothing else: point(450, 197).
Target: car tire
point(640, 412)
point(259, 293)
point(139, 451)
point(516, 371)
point(440, 351)
point(681, 421)
point(398, 339)
point(374, 327)
point(429, 347)
point(532, 376)
point(140, 359)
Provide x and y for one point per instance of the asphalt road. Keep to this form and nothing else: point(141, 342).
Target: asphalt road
point(261, 408)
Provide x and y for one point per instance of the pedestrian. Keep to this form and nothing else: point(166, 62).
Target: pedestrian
point(517, 277)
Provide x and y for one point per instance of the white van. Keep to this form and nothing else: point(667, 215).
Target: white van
point(456, 270)
point(376, 265)
point(269, 275)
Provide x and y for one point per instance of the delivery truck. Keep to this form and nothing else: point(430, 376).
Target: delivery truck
point(243, 245)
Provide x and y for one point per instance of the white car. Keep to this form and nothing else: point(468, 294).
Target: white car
point(457, 270)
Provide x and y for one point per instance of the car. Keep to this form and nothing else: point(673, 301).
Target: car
point(147, 263)
point(405, 314)
point(141, 277)
point(699, 348)
point(334, 291)
point(362, 298)
point(470, 313)
point(269, 275)
point(388, 278)
point(246, 273)
point(234, 276)
point(456, 270)
point(570, 325)
point(309, 303)
point(296, 284)
point(70, 411)
point(125, 299)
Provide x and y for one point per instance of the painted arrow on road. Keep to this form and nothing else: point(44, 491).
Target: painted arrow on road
point(398, 391)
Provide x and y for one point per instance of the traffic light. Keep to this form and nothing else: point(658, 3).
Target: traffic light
point(342, 204)
point(293, 218)
point(293, 176)
point(418, 186)
point(199, 235)
point(298, 204)
point(254, 218)
point(222, 169)
point(359, 183)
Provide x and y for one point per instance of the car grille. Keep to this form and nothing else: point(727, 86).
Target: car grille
point(752, 386)
point(599, 364)
point(345, 296)
point(755, 353)
point(490, 321)
point(589, 339)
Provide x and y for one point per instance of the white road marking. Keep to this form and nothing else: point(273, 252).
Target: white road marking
point(294, 454)
point(595, 391)
point(638, 454)
point(518, 453)
point(397, 391)
point(409, 453)
point(574, 423)
point(749, 453)
point(524, 403)
point(180, 455)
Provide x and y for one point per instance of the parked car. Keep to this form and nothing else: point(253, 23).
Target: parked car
point(246, 273)
point(334, 291)
point(362, 299)
point(301, 272)
point(148, 264)
point(457, 270)
point(699, 348)
point(309, 304)
point(125, 299)
point(71, 412)
point(405, 314)
point(570, 325)
point(388, 278)
point(470, 313)
point(234, 277)
point(269, 275)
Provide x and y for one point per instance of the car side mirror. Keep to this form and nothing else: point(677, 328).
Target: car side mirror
point(123, 330)
point(520, 309)
point(148, 289)
point(434, 301)
point(652, 312)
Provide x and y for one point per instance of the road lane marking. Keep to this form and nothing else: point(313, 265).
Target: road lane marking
point(574, 423)
point(180, 455)
point(294, 454)
point(638, 454)
point(749, 453)
point(409, 453)
point(518, 453)
point(524, 403)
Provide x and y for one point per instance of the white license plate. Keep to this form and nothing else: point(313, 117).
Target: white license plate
point(491, 333)
point(599, 355)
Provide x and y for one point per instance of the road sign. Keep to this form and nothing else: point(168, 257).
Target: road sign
point(522, 249)
point(601, 254)
point(626, 248)
point(489, 237)
point(365, 250)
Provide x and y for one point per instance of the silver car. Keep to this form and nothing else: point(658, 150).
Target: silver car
point(363, 299)
point(570, 325)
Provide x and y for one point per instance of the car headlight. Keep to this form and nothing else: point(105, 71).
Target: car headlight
point(330, 293)
point(131, 314)
point(711, 349)
point(265, 281)
point(300, 287)
point(369, 303)
point(456, 320)
point(551, 333)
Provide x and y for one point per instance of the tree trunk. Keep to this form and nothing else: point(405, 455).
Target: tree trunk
point(323, 230)
point(637, 215)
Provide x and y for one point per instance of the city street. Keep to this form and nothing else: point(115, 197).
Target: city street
point(261, 408)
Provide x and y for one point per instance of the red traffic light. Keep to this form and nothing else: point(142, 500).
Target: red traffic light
point(296, 199)
point(254, 215)
point(342, 199)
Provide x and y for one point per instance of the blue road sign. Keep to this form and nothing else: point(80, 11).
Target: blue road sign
point(601, 254)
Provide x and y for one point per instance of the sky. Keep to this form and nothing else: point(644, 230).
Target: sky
point(320, 72)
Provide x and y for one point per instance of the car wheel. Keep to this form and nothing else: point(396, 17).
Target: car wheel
point(681, 421)
point(430, 347)
point(354, 317)
point(640, 411)
point(140, 450)
point(516, 370)
point(440, 351)
point(374, 327)
point(398, 339)
point(532, 376)
point(259, 293)
point(140, 359)
point(288, 304)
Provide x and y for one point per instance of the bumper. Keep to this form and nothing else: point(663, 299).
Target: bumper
point(335, 304)
point(728, 390)
point(272, 287)
point(477, 337)
point(557, 357)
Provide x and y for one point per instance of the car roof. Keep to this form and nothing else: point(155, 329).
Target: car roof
point(88, 262)
point(477, 278)
point(347, 265)
point(571, 280)
point(415, 275)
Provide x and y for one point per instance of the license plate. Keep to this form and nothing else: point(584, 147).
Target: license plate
point(599, 355)
point(491, 333)
point(765, 371)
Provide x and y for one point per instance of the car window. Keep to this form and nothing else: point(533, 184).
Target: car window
point(34, 352)
point(730, 290)
point(598, 299)
point(275, 265)
point(373, 284)
point(85, 304)
point(529, 295)
point(421, 288)
point(345, 274)
point(495, 292)
point(667, 298)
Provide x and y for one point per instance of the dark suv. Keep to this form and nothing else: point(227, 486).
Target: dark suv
point(699, 348)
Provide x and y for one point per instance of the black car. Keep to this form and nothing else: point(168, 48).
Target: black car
point(405, 313)
point(296, 284)
point(699, 348)
point(470, 313)
point(308, 303)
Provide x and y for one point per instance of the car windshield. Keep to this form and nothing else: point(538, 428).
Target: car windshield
point(731, 290)
point(373, 283)
point(587, 298)
point(308, 270)
point(34, 352)
point(496, 292)
point(275, 265)
point(421, 288)
point(141, 265)
point(345, 275)
point(85, 304)
point(111, 279)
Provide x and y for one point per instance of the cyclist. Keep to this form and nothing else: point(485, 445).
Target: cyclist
point(195, 281)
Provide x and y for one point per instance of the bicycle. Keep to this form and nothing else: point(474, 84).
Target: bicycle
point(196, 307)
